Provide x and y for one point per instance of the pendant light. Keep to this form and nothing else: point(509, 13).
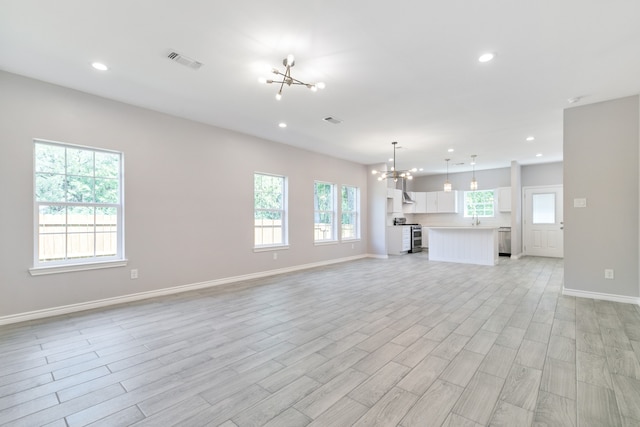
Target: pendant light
point(474, 184)
point(447, 184)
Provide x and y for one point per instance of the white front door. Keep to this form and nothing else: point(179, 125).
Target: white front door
point(543, 221)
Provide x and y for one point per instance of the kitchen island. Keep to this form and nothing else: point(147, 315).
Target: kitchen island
point(468, 245)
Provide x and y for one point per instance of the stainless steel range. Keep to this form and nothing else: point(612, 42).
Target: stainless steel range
point(416, 234)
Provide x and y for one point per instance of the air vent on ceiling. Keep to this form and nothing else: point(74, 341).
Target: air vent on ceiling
point(184, 60)
point(333, 120)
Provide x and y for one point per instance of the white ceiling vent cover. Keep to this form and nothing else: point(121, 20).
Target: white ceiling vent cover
point(184, 60)
point(333, 120)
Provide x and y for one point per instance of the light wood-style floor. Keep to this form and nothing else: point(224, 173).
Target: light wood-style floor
point(398, 342)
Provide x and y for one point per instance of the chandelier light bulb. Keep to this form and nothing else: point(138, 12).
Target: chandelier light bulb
point(289, 61)
point(321, 85)
point(262, 80)
point(278, 96)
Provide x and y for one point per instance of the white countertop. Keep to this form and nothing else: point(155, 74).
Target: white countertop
point(463, 227)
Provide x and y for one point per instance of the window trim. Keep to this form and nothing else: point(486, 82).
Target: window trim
point(284, 211)
point(78, 264)
point(333, 212)
point(355, 213)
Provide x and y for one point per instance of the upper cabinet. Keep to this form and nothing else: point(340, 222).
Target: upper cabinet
point(442, 202)
point(423, 202)
point(504, 199)
point(447, 202)
point(432, 202)
point(419, 204)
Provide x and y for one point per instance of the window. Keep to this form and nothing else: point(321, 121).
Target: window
point(350, 224)
point(544, 208)
point(270, 214)
point(478, 203)
point(78, 205)
point(325, 214)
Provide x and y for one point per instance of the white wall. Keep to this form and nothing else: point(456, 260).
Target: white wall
point(188, 196)
point(542, 174)
point(601, 164)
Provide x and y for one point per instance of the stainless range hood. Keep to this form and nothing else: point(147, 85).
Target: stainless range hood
point(406, 198)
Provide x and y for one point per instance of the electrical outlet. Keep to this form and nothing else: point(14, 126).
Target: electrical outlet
point(275, 255)
point(353, 246)
point(134, 273)
point(608, 273)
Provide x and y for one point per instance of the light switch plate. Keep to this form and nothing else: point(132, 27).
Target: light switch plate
point(580, 203)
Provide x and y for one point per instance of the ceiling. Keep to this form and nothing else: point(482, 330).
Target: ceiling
point(408, 72)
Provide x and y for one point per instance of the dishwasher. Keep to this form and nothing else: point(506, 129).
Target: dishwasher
point(504, 241)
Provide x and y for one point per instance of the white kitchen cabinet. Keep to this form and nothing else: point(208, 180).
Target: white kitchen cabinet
point(447, 202)
point(442, 202)
point(432, 202)
point(394, 203)
point(504, 199)
point(398, 239)
point(420, 202)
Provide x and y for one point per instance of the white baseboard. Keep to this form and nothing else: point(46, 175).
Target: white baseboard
point(89, 305)
point(601, 296)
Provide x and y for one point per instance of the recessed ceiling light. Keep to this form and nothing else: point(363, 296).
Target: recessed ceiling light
point(282, 125)
point(99, 66)
point(539, 155)
point(530, 138)
point(486, 57)
point(450, 150)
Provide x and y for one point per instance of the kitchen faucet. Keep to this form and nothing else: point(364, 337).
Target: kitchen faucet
point(475, 220)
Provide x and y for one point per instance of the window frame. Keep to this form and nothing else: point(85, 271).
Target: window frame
point(283, 211)
point(333, 213)
point(355, 214)
point(468, 214)
point(78, 263)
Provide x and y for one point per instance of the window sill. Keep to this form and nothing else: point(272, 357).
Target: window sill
point(326, 242)
point(69, 268)
point(271, 248)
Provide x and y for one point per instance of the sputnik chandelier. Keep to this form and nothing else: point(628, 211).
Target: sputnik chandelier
point(394, 173)
point(289, 62)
